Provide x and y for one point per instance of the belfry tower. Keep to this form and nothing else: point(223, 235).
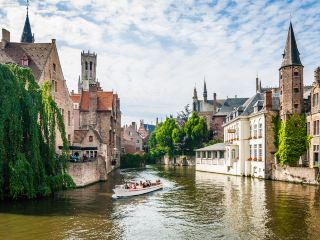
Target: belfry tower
point(291, 79)
point(88, 70)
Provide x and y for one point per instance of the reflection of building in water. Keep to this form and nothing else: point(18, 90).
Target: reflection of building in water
point(243, 205)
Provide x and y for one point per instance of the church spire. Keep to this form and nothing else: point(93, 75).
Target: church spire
point(27, 36)
point(195, 95)
point(291, 53)
point(205, 93)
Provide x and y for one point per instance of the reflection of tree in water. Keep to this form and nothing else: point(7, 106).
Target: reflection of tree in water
point(79, 213)
point(293, 210)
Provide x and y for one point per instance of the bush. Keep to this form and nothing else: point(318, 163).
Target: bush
point(132, 161)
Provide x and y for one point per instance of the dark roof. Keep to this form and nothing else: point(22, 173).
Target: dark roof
point(149, 128)
point(229, 105)
point(291, 52)
point(37, 53)
point(26, 36)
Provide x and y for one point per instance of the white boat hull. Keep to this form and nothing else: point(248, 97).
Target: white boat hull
point(121, 192)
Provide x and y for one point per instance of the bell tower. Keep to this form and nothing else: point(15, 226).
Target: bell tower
point(88, 70)
point(291, 79)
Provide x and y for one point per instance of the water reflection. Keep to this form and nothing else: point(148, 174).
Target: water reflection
point(192, 205)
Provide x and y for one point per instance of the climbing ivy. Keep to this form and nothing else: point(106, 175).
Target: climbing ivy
point(276, 128)
point(293, 140)
point(29, 118)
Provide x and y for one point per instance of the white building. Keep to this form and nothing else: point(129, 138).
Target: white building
point(248, 140)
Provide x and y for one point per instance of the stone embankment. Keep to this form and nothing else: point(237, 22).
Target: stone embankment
point(181, 160)
point(295, 174)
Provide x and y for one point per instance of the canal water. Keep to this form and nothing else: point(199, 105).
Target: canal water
point(192, 205)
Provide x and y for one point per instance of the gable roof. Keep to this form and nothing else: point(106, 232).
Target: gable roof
point(79, 135)
point(26, 33)
point(75, 98)
point(37, 53)
point(105, 101)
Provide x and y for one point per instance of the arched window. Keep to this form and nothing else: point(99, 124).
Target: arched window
point(24, 60)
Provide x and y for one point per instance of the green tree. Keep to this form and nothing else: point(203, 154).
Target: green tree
point(293, 140)
point(164, 136)
point(29, 165)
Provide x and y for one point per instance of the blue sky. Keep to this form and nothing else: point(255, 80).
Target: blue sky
point(153, 53)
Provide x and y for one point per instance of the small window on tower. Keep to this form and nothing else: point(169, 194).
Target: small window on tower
point(296, 90)
point(296, 74)
point(296, 105)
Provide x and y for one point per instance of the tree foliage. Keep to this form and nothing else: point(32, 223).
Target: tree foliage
point(293, 140)
point(29, 165)
point(133, 161)
point(172, 139)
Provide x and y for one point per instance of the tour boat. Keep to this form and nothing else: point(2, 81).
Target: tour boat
point(121, 191)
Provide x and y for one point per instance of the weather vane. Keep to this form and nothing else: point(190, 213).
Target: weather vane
point(27, 6)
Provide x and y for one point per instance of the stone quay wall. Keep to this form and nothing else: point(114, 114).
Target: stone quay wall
point(181, 160)
point(295, 174)
point(85, 173)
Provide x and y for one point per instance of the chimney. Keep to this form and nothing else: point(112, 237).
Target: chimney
point(134, 125)
point(5, 38)
point(214, 102)
point(268, 100)
point(53, 40)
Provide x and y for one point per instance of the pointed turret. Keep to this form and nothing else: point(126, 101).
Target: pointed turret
point(195, 95)
point(27, 36)
point(205, 93)
point(291, 55)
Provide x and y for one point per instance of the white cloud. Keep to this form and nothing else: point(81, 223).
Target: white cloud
point(153, 52)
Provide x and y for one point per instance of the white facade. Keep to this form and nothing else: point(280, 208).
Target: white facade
point(244, 139)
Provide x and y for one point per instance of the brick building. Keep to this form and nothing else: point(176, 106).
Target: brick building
point(97, 110)
point(43, 60)
point(132, 140)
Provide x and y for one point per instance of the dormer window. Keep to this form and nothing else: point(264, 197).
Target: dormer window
point(24, 60)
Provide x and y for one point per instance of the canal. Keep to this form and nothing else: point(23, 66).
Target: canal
point(193, 205)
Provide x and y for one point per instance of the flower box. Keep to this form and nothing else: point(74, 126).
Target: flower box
point(254, 137)
point(250, 138)
point(254, 159)
point(249, 159)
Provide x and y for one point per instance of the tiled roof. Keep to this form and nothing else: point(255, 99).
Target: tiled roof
point(229, 105)
point(79, 135)
point(105, 101)
point(75, 98)
point(84, 102)
point(37, 53)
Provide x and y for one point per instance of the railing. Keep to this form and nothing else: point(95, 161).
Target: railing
point(211, 161)
point(75, 159)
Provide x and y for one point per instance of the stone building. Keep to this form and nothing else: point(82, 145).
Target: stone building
point(132, 140)
point(43, 60)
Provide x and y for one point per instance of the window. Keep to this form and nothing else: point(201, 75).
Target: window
point(260, 130)
point(203, 154)
point(233, 154)
point(316, 127)
point(55, 86)
point(221, 154)
point(296, 90)
point(296, 74)
point(86, 65)
point(214, 154)
point(209, 154)
point(62, 112)
point(24, 60)
point(137, 141)
point(91, 66)
point(315, 100)
point(69, 138)
point(255, 130)
point(308, 128)
point(260, 151)
point(69, 118)
point(250, 154)
point(251, 130)
point(54, 67)
point(90, 138)
point(296, 105)
point(255, 151)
